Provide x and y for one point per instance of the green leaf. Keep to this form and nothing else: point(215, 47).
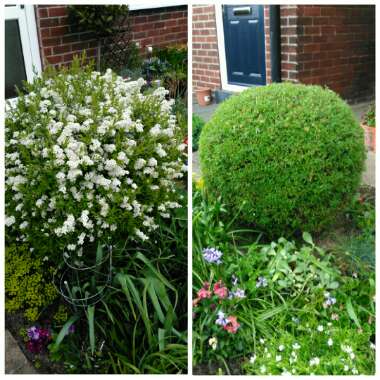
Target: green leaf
point(333, 285)
point(161, 339)
point(307, 237)
point(351, 312)
point(64, 331)
point(99, 254)
point(91, 329)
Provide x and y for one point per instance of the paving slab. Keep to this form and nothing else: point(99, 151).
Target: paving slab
point(15, 360)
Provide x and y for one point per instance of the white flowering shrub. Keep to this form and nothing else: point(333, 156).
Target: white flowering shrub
point(89, 157)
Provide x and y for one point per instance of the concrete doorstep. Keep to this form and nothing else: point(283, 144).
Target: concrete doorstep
point(15, 360)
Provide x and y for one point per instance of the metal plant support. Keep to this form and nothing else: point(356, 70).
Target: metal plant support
point(81, 283)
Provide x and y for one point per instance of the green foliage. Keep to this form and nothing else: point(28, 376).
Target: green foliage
point(360, 242)
point(180, 111)
point(293, 153)
point(101, 20)
point(169, 64)
point(290, 290)
point(140, 325)
point(28, 282)
point(370, 116)
point(61, 315)
point(197, 125)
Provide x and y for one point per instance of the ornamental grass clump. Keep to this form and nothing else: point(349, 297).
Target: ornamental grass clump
point(89, 157)
point(287, 156)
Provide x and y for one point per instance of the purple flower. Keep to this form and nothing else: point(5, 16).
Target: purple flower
point(33, 333)
point(239, 293)
point(261, 282)
point(222, 320)
point(71, 329)
point(39, 338)
point(212, 255)
point(329, 301)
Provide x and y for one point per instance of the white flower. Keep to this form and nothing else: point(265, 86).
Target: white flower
point(347, 349)
point(9, 220)
point(213, 342)
point(139, 163)
point(278, 358)
point(281, 347)
point(141, 235)
point(330, 342)
point(263, 369)
point(296, 346)
point(320, 328)
point(23, 225)
point(81, 238)
point(346, 368)
point(252, 359)
point(314, 361)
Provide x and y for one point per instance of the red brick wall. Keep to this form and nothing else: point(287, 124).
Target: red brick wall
point(289, 43)
point(206, 72)
point(336, 48)
point(330, 45)
point(60, 41)
point(267, 44)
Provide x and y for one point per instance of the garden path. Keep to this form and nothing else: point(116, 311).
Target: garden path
point(359, 109)
point(15, 360)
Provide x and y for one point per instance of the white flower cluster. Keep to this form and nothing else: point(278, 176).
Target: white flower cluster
point(88, 156)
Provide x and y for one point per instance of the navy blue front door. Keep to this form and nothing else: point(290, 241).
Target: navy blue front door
point(244, 44)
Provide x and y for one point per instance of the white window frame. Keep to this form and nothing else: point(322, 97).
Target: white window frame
point(222, 53)
point(29, 37)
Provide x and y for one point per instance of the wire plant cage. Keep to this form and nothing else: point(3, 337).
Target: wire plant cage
point(82, 280)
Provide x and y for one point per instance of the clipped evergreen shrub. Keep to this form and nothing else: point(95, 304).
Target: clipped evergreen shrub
point(198, 124)
point(289, 156)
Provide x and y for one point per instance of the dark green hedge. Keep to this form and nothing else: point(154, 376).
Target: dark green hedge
point(197, 125)
point(293, 153)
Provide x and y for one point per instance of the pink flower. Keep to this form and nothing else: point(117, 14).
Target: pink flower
point(203, 293)
point(232, 325)
point(220, 290)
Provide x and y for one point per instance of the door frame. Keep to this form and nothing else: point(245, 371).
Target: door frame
point(29, 37)
point(222, 53)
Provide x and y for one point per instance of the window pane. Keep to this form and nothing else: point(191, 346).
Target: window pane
point(14, 59)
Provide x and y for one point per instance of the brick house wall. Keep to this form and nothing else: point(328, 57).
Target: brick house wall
point(329, 45)
point(336, 48)
point(206, 71)
point(59, 41)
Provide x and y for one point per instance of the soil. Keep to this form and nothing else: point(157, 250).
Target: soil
point(234, 368)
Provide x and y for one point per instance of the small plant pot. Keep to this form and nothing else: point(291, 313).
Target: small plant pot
point(369, 137)
point(204, 96)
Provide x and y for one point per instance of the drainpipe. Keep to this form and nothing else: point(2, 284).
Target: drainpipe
point(275, 42)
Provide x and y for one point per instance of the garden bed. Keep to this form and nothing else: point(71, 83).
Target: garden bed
point(283, 238)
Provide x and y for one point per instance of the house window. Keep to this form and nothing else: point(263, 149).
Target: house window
point(22, 60)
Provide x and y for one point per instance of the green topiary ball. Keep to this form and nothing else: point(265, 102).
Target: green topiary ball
point(289, 156)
